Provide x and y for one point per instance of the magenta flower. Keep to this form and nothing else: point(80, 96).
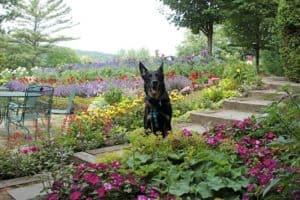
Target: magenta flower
point(154, 193)
point(186, 132)
point(91, 178)
point(143, 188)
point(247, 121)
point(25, 151)
point(142, 197)
point(270, 135)
point(116, 164)
point(28, 137)
point(53, 196)
point(101, 192)
point(33, 149)
point(250, 187)
point(75, 195)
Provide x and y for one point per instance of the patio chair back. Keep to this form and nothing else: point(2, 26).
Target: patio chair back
point(70, 106)
point(38, 104)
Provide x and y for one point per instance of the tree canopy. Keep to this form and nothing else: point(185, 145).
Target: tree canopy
point(198, 16)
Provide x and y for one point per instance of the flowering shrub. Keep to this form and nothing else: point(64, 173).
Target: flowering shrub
point(28, 158)
point(102, 181)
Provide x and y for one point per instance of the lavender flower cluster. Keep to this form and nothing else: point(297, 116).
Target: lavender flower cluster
point(177, 82)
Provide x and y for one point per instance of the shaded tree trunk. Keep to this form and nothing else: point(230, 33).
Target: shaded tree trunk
point(210, 39)
point(256, 49)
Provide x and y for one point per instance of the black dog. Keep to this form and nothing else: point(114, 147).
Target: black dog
point(158, 110)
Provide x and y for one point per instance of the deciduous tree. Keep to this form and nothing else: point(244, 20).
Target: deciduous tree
point(199, 16)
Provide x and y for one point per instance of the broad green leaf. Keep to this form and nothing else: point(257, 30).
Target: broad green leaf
point(215, 183)
point(203, 189)
point(179, 188)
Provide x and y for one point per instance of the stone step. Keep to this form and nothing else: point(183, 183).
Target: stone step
point(245, 105)
point(272, 95)
point(274, 83)
point(29, 192)
point(193, 127)
point(218, 117)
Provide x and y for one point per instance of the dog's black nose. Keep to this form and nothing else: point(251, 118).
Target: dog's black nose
point(154, 83)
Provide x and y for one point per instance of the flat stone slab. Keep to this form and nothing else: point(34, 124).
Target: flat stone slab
point(27, 192)
point(218, 117)
point(195, 127)
point(107, 149)
point(84, 157)
point(18, 181)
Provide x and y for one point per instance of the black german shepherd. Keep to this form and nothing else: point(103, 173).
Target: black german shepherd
point(158, 110)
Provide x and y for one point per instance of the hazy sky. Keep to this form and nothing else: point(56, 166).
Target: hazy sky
point(109, 25)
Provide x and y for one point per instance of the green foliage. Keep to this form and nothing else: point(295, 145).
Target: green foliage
point(18, 163)
point(113, 95)
point(141, 54)
point(185, 166)
point(250, 24)
point(8, 11)
point(271, 62)
point(288, 25)
point(199, 16)
point(61, 56)
point(240, 72)
point(192, 44)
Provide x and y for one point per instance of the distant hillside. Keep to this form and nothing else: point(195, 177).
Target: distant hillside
point(95, 55)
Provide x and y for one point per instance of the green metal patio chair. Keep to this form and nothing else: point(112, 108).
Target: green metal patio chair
point(37, 104)
point(70, 106)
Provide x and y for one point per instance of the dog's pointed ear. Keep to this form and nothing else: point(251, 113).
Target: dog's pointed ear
point(143, 69)
point(161, 68)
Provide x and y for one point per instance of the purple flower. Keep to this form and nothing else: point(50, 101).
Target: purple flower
point(186, 132)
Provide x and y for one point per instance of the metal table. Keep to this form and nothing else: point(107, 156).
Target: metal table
point(5, 98)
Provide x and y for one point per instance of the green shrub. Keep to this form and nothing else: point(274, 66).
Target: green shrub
point(288, 24)
point(113, 95)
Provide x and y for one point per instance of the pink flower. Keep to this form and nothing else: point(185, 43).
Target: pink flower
point(107, 186)
point(142, 197)
point(33, 149)
point(247, 121)
point(143, 188)
point(116, 164)
point(153, 193)
point(101, 192)
point(75, 195)
point(25, 151)
point(270, 135)
point(250, 187)
point(53, 196)
point(28, 137)
point(186, 132)
point(91, 178)
point(245, 197)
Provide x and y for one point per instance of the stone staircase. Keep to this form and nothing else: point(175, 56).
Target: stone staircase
point(241, 108)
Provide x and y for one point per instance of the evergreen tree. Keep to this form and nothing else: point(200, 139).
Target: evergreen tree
point(7, 10)
point(37, 27)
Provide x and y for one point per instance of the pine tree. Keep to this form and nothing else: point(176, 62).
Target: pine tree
point(37, 26)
